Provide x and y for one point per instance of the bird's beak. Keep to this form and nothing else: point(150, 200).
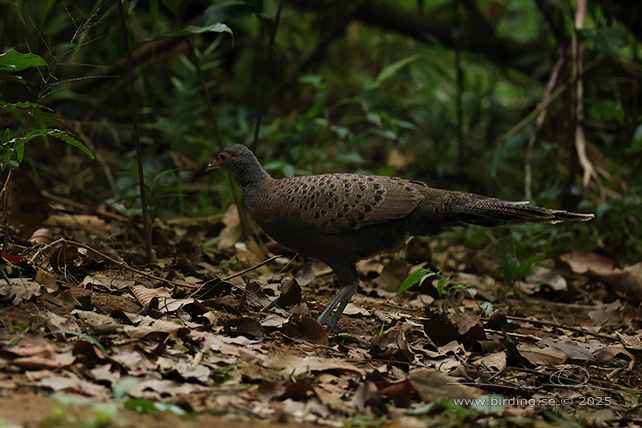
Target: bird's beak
point(213, 165)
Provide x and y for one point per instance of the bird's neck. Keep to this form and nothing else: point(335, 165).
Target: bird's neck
point(254, 177)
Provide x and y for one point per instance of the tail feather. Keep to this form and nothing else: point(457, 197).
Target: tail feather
point(495, 212)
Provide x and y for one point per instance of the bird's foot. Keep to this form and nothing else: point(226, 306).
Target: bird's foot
point(339, 303)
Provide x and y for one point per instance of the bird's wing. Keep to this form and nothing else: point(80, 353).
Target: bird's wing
point(338, 202)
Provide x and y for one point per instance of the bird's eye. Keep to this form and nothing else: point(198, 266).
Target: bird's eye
point(222, 157)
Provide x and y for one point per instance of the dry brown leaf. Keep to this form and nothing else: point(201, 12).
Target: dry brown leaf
point(245, 326)
point(159, 389)
point(541, 275)
point(56, 322)
point(495, 361)
point(332, 399)
point(627, 280)
point(231, 233)
point(432, 385)
point(91, 224)
point(145, 295)
point(605, 354)
point(16, 290)
point(78, 386)
point(306, 328)
point(290, 364)
point(607, 312)
point(369, 267)
point(192, 372)
point(576, 351)
point(46, 279)
point(467, 322)
point(111, 282)
point(632, 341)
point(105, 373)
point(149, 325)
point(41, 236)
point(351, 310)
point(393, 274)
point(582, 263)
point(548, 355)
point(305, 274)
point(366, 396)
point(290, 292)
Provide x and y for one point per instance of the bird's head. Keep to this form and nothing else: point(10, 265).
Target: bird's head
point(239, 162)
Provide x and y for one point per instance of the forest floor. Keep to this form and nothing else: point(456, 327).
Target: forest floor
point(209, 334)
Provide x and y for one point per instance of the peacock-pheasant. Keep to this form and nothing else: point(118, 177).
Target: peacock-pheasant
point(343, 218)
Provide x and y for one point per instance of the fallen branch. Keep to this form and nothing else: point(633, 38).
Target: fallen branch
point(554, 324)
point(119, 263)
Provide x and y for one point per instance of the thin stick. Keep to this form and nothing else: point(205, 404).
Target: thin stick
point(147, 229)
point(251, 268)
point(114, 261)
point(554, 324)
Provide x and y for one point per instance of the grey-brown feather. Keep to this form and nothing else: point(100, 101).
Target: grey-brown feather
point(341, 218)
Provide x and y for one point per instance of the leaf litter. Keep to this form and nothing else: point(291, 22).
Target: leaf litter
point(209, 332)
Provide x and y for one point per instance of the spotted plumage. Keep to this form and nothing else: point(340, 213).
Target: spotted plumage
point(337, 202)
point(342, 218)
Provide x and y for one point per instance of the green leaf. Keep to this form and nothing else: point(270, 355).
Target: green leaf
point(390, 70)
point(486, 307)
point(21, 104)
point(16, 61)
point(607, 39)
point(141, 405)
point(188, 31)
point(441, 285)
point(18, 143)
point(414, 278)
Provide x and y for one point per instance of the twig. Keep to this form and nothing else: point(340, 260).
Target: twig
point(105, 256)
point(579, 139)
point(528, 191)
point(100, 213)
point(234, 275)
point(251, 268)
point(259, 109)
point(554, 324)
point(147, 230)
point(459, 83)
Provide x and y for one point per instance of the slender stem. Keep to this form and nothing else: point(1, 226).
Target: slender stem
point(259, 110)
point(139, 151)
point(459, 77)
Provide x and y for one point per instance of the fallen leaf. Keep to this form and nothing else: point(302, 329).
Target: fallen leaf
point(306, 328)
point(393, 274)
point(628, 280)
point(431, 385)
point(607, 312)
point(247, 327)
point(547, 355)
point(16, 290)
point(145, 295)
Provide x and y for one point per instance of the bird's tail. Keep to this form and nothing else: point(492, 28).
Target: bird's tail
point(490, 212)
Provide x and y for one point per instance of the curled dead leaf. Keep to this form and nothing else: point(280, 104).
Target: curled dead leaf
point(41, 236)
point(306, 328)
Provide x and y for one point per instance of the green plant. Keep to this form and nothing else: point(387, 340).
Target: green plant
point(12, 146)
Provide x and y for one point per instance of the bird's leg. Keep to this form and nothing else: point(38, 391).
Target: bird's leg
point(343, 297)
